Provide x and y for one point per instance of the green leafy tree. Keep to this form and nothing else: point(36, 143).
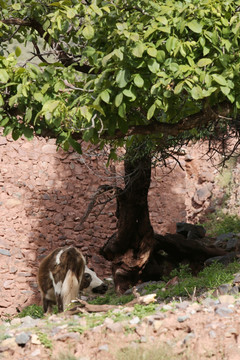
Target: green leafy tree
point(117, 72)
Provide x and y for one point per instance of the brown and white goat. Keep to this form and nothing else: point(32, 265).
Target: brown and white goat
point(62, 274)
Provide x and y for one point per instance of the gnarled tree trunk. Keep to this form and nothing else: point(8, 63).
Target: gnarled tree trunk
point(129, 249)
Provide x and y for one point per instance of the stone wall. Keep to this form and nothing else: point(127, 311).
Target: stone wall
point(44, 193)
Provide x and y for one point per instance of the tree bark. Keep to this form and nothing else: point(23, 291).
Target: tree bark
point(129, 249)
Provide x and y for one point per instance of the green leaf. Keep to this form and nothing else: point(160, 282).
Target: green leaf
point(88, 32)
point(138, 81)
point(138, 50)
point(209, 91)
point(28, 133)
point(150, 31)
point(171, 43)
point(231, 97)
point(7, 130)
point(153, 66)
point(16, 134)
point(50, 105)
point(16, 6)
point(96, 9)
point(195, 26)
point(89, 51)
point(178, 87)
point(173, 67)
point(28, 115)
point(118, 99)
point(122, 78)
point(118, 53)
point(152, 51)
point(38, 96)
point(18, 51)
point(13, 100)
point(122, 110)
point(75, 145)
point(24, 91)
point(130, 94)
point(204, 62)
point(71, 13)
point(134, 37)
point(45, 88)
point(219, 79)
point(151, 111)
point(206, 50)
point(85, 112)
point(88, 134)
point(107, 9)
point(197, 93)
point(105, 96)
point(4, 121)
point(162, 19)
point(59, 85)
point(161, 56)
point(4, 77)
point(225, 90)
point(224, 22)
point(107, 57)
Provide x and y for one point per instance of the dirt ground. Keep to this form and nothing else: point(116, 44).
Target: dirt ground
point(179, 330)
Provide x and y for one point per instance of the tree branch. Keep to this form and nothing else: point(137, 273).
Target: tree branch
point(63, 57)
point(199, 120)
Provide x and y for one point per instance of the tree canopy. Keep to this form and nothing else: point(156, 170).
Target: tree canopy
point(102, 71)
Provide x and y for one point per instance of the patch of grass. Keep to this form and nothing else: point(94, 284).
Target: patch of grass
point(208, 279)
point(144, 310)
point(44, 339)
point(182, 272)
point(163, 352)
point(34, 311)
point(98, 318)
point(220, 223)
point(129, 329)
point(77, 328)
point(111, 298)
point(138, 310)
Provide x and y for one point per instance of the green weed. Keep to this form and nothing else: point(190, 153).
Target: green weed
point(220, 223)
point(208, 279)
point(34, 311)
point(138, 310)
point(78, 329)
point(182, 272)
point(112, 298)
point(44, 339)
point(129, 330)
point(144, 310)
